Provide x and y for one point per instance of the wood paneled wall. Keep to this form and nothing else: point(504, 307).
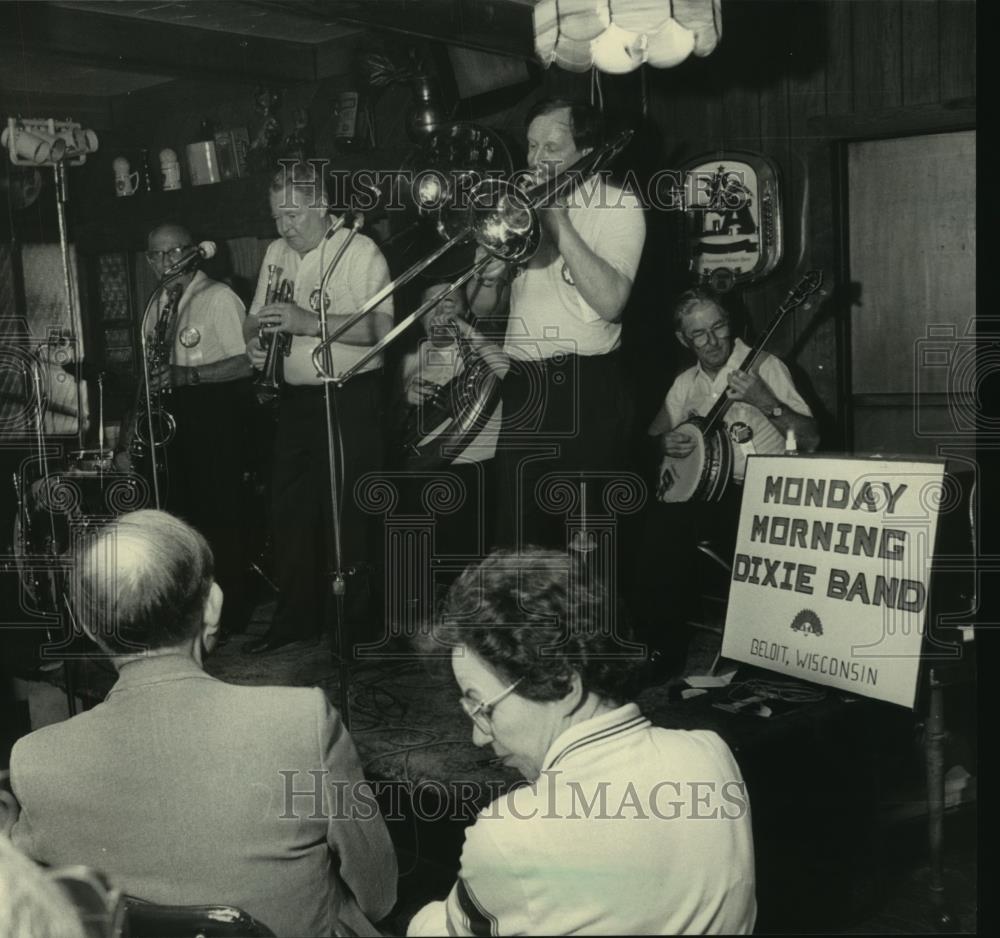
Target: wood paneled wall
point(791, 79)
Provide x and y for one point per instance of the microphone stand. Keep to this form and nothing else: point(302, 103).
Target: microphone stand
point(339, 585)
point(62, 196)
point(100, 417)
point(322, 359)
point(57, 589)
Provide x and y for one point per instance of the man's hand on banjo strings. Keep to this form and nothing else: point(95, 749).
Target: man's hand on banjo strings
point(752, 389)
point(678, 444)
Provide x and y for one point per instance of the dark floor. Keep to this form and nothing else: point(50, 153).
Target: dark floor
point(876, 881)
point(903, 904)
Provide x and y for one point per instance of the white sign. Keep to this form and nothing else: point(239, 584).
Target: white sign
point(830, 576)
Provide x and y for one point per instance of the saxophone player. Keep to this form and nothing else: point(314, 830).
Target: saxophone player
point(301, 509)
point(208, 381)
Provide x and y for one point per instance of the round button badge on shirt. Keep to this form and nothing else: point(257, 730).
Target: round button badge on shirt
point(740, 432)
point(189, 337)
point(314, 301)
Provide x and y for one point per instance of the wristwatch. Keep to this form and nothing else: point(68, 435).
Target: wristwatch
point(194, 377)
point(776, 411)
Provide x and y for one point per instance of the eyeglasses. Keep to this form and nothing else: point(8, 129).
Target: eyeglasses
point(169, 257)
point(699, 337)
point(481, 712)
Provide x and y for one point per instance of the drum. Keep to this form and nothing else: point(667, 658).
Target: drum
point(54, 510)
point(91, 460)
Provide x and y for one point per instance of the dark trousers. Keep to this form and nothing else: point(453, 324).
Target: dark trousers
point(568, 415)
point(206, 461)
point(301, 503)
point(670, 574)
point(459, 499)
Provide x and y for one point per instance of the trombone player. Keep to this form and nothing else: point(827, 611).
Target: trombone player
point(565, 389)
point(301, 510)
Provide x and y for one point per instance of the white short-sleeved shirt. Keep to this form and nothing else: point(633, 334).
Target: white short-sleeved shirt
point(547, 313)
point(209, 323)
point(693, 394)
point(630, 829)
point(360, 274)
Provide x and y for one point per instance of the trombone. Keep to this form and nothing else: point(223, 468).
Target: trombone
point(501, 217)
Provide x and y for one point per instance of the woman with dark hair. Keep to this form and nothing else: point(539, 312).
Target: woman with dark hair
point(625, 828)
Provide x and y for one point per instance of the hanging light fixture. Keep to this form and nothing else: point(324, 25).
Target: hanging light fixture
point(617, 36)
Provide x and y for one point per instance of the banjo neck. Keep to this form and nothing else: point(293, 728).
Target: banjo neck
point(808, 285)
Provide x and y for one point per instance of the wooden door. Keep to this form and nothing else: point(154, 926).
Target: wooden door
point(912, 255)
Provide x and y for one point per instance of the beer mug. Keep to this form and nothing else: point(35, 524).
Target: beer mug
point(125, 182)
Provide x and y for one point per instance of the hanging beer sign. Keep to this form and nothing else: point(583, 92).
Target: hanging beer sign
point(732, 218)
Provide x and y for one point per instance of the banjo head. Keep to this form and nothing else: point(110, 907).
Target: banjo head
point(680, 479)
point(703, 475)
point(469, 401)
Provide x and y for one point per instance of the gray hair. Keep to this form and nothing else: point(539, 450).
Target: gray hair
point(694, 297)
point(304, 177)
point(141, 582)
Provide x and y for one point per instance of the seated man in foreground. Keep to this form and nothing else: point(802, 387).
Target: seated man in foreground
point(186, 790)
point(625, 828)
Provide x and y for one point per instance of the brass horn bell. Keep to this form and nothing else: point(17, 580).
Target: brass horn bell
point(500, 216)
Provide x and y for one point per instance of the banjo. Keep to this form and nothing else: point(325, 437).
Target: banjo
point(439, 428)
point(704, 474)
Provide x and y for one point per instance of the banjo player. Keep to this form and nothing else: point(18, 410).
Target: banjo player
point(764, 406)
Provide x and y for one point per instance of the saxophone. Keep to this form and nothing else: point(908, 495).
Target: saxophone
point(267, 384)
point(146, 407)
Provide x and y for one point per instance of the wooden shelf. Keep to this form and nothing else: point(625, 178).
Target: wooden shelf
point(234, 208)
point(100, 222)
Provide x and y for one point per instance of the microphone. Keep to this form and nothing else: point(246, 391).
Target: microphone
point(205, 250)
point(350, 217)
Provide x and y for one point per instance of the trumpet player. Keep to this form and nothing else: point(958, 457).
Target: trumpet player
point(565, 390)
point(301, 510)
point(209, 381)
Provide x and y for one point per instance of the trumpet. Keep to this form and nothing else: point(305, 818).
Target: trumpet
point(278, 344)
point(501, 216)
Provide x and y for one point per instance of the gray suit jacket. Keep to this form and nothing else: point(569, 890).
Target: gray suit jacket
point(187, 790)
